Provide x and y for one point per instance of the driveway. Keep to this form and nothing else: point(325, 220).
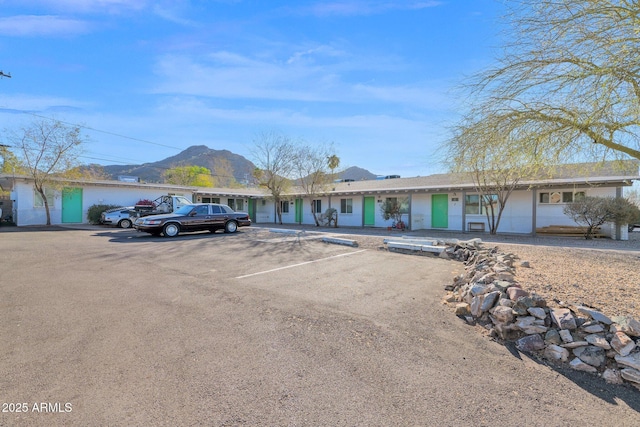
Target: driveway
point(114, 327)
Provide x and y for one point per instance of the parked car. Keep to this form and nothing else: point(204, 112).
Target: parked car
point(632, 227)
point(122, 217)
point(195, 217)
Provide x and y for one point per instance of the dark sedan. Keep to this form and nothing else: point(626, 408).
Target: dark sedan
point(196, 217)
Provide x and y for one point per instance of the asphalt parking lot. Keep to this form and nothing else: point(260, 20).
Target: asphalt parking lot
point(106, 326)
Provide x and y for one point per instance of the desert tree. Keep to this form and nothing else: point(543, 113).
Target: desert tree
point(312, 164)
point(223, 171)
point(592, 212)
point(571, 73)
point(496, 158)
point(48, 152)
point(273, 154)
point(197, 176)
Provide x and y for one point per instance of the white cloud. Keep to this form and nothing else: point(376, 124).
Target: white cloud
point(229, 75)
point(44, 25)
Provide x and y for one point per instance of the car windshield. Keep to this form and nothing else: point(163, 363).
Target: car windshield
point(184, 210)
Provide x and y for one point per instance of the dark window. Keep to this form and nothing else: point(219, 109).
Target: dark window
point(202, 210)
point(346, 206)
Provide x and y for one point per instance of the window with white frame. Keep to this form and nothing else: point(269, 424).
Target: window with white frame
point(284, 206)
point(556, 197)
point(475, 204)
point(37, 198)
point(472, 204)
point(346, 206)
point(317, 206)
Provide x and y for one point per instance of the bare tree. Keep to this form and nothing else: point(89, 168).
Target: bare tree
point(312, 165)
point(571, 75)
point(49, 151)
point(273, 155)
point(491, 157)
point(223, 172)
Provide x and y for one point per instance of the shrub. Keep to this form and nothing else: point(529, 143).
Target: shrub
point(94, 211)
point(595, 211)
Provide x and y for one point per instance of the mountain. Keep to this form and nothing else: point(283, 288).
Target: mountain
point(197, 155)
point(357, 174)
point(201, 155)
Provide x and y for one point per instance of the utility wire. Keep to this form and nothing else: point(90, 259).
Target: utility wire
point(106, 132)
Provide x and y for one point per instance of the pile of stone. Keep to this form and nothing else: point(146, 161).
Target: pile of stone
point(488, 295)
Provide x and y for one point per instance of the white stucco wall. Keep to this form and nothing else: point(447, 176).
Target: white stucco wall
point(552, 213)
point(25, 213)
point(353, 219)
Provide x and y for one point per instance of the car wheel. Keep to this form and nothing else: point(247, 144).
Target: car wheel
point(126, 223)
point(231, 227)
point(171, 230)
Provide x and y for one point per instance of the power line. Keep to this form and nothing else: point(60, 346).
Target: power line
point(105, 132)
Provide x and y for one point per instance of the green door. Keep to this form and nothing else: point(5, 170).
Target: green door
point(71, 205)
point(251, 209)
point(369, 211)
point(439, 211)
point(299, 211)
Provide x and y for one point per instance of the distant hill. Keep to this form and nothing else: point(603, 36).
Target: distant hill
point(357, 174)
point(197, 155)
point(201, 155)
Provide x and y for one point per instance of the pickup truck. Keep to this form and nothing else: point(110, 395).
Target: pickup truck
point(125, 216)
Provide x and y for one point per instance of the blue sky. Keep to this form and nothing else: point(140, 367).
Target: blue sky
point(375, 78)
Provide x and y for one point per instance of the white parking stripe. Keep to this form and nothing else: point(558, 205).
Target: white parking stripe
point(298, 265)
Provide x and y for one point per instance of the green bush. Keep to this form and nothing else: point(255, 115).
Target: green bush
point(94, 211)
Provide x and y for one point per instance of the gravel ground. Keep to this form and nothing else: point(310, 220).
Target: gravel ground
point(601, 273)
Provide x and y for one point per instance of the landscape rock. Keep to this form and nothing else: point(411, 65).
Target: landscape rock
point(595, 315)
point(476, 305)
point(489, 300)
point(555, 352)
point(593, 329)
point(594, 356)
point(537, 312)
point(530, 343)
point(632, 360)
point(598, 341)
point(462, 309)
point(631, 374)
point(612, 376)
point(622, 343)
point(488, 295)
point(502, 314)
point(628, 325)
point(552, 337)
point(515, 293)
point(579, 365)
point(566, 335)
point(575, 344)
point(563, 318)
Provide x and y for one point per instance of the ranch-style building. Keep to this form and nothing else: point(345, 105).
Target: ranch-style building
point(441, 201)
